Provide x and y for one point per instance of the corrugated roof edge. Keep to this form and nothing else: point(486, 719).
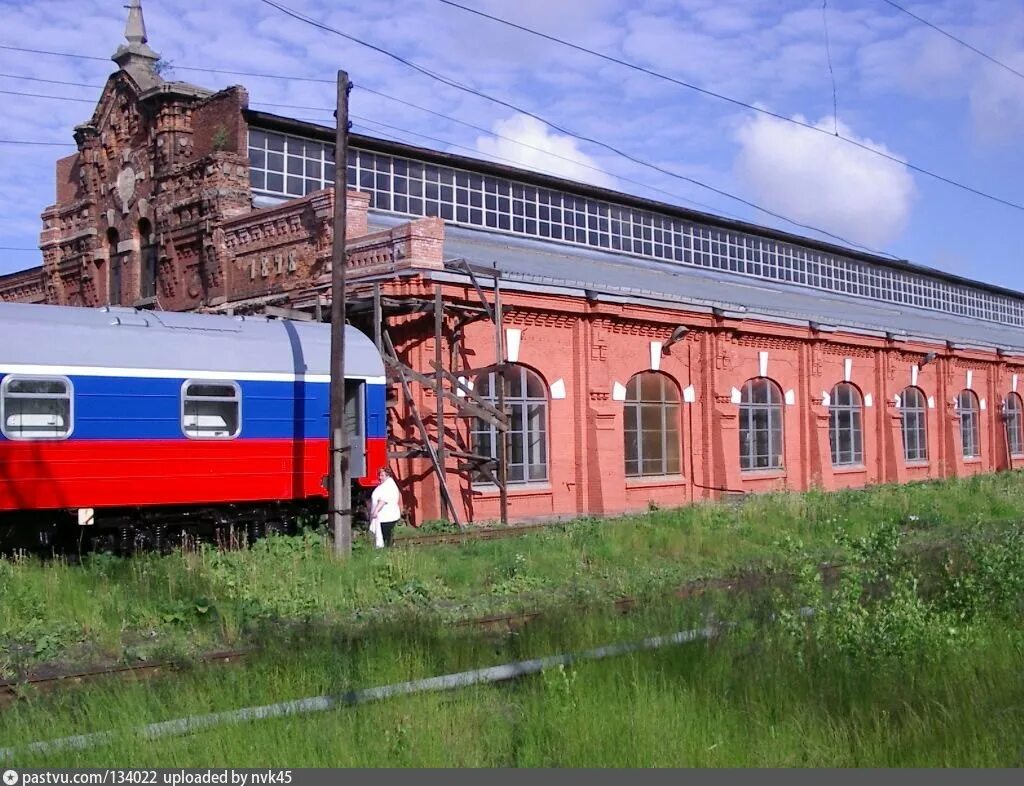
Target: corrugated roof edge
point(272, 122)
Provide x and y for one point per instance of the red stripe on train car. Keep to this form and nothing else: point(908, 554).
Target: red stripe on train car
point(101, 473)
point(376, 458)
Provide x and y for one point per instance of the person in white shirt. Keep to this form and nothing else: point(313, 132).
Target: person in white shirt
point(385, 508)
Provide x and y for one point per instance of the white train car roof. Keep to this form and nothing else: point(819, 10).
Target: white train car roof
point(165, 343)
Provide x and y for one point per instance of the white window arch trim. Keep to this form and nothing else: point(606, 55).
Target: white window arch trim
point(209, 429)
point(59, 431)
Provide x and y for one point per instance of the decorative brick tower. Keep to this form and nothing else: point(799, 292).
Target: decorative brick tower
point(160, 165)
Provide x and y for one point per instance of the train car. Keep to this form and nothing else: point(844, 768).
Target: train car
point(138, 424)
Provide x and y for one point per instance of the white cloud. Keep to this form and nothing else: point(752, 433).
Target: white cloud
point(997, 102)
point(526, 142)
point(825, 182)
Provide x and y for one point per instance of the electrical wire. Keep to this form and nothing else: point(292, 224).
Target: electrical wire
point(831, 73)
point(960, 41)
point(41, 95)
point(457, 85)
point(50, 81)
point(581, 137)
point(481, 129)
point(33, 142)
point(528, 146)
point(752, 107)
point(375, 125)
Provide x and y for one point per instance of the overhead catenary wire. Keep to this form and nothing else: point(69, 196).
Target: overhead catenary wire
point(952, 37)
point(581, 137)
point(34, 142)
point(481, 129)
point(831, 72)
point(546, 152)
point(751, 107)
point(809, 126)
point(50, 81)
point(43, 95)
point(372, 122)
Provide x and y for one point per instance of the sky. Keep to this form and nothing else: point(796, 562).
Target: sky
point(905, 93)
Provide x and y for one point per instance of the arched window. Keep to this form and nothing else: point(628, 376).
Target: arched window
point(526, 404)
point(913, 408)
point(147, 259)
point(651, 426)
point(967, 409)
point(1015, 424)
point(114, 268)
point(845, 426)
point(760, 425)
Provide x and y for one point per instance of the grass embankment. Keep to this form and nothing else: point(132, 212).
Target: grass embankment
point(152, 607)
point(883, 674)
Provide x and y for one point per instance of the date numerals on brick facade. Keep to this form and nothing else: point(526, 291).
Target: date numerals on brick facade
point(273, 265)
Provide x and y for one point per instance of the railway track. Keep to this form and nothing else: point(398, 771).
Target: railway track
point(473, 534)
point(13, 690)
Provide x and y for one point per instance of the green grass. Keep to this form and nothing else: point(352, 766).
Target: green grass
point(151, 607)
point(743, 701)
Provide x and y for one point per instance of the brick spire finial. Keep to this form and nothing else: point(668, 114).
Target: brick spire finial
point(136, 57)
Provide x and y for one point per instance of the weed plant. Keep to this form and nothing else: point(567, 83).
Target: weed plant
point(153, 607)
point(881, 669)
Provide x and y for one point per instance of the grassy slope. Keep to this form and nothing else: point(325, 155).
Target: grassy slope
point(154, 606)
point(741, 702)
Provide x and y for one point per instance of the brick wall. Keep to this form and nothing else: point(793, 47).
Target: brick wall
point(590, 349)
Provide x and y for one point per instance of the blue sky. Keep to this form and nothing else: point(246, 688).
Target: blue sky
point(901, 88)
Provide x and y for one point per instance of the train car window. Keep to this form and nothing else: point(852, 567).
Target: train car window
point(36, 407)
point(211, 410)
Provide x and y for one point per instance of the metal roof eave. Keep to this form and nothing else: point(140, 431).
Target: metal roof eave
point(723, 309)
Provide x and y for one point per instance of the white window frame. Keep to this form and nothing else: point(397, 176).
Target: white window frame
point(184, 398)
point(5, 393)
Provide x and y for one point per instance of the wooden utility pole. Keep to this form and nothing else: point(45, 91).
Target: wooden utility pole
point(340, 491)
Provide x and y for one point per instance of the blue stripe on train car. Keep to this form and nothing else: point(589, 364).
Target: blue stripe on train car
point(376, 411)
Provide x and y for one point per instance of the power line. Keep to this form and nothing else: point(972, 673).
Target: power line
point(540, 150)
point(50, 81)
point(41, 95)
point(33, 142)
point(960, 41)
point(501, 102)
point(609, 58)
point(371, 121)
point(745, 105)
point(831, 73)
point(100, 87)
point(422, 109)
point(16, 248)
point(172, 66)
point(397, 100)
point(50, 52)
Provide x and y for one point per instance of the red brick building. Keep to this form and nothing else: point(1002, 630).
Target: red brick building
point(657, 355)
